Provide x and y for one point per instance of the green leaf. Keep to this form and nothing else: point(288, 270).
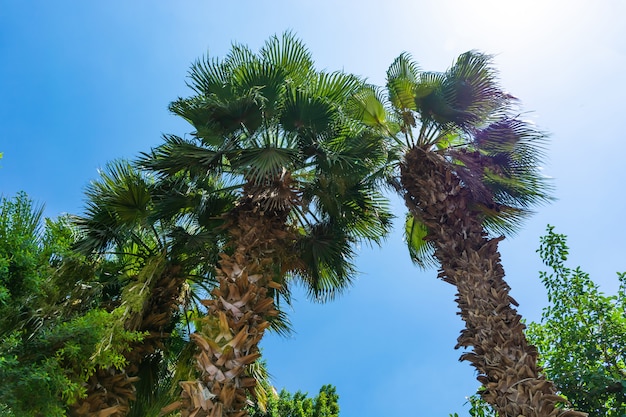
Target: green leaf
point(369, 107)
point(420, 249)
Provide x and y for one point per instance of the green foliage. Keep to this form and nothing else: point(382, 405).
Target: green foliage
point(41, 375)
point(20, 257)
point(299, 404)
point(52, 338)
point(478, 408)
point(582, 334)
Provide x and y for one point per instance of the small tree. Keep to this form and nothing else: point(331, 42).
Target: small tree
point(51, 328)
point(299, 404)
point(582, 334)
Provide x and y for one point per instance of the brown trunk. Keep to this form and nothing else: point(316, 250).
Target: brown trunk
point(110, 391)
point(505, 361)
point(237, 316)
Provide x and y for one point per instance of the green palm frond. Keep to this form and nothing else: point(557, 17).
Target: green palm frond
point(367, 106)
point(215, 118)
point(209, 76)
point(120, 199)
point(177, 155)
point(264, 78)
point(326, 253)
point(352, 152)
point(335, 87)
point(421, 250)
point(402, 82)
point(123, 190)
point(367, 213)
point(265, 162)
point(280, 324)
point(289, 53)
point(305, 113)
point(238, 57)
point(503, 220)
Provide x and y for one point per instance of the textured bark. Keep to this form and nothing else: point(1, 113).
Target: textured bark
point(506, 363)
point(156, 319)
point(108, 394)
point(110, 391)
point(237, 316)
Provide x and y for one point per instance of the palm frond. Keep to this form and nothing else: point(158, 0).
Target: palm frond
point(512, 149)
point(421, 250)
point(262, 163)
point(238, 57)
point(367, 106)
point(326, 253)
point(180, 155)
point(209, 76)
point(305, 113)
point(290, 54)
point(281, 325)
point(264, 78)
point(471, 91)
point(120, 200)
point(335, 87)
point(503, 220)
point(402, 81)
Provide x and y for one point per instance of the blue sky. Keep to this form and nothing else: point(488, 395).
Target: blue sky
point(82, 83)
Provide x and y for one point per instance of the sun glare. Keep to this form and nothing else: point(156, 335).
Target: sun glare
point(499, 25)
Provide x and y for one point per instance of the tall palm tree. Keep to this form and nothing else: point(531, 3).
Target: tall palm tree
point(467, 167)
point(151, 257)
point(274, 128)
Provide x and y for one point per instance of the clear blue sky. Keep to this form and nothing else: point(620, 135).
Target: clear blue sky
point(84, 82)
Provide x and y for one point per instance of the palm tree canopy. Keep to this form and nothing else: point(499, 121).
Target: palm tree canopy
point(275, 131)
point(142, 226)
point(463, 118)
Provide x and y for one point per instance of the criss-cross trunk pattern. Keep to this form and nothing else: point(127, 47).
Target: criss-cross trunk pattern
point(110, 391)
point(238, 315)
point(505, 361)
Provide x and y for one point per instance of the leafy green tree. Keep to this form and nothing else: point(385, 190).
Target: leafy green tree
point(285, 404)
point(274, 128)
point(466, 165)
point(582, 334)
point(50, 334)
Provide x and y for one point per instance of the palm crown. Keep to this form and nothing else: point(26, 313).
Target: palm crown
point(464, 119)
point(274, 129)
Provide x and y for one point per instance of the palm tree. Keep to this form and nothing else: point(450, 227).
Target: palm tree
point(274, 129)
point(467, 167)
point(150, 258)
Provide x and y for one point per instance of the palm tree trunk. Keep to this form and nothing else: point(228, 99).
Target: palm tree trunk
point(110, 391)
point(505, 361)
point(237, 316)
point(155, 320)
